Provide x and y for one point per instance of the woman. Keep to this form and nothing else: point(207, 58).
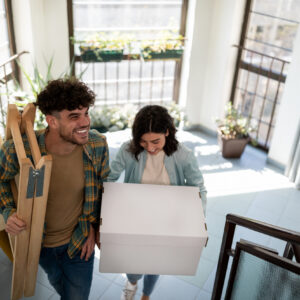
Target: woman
point(154, 156)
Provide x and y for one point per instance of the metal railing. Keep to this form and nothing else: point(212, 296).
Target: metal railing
point(258, 89)
point(130, 81)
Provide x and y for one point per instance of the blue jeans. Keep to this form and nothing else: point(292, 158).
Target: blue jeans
point(71, 278)
point(149, 282)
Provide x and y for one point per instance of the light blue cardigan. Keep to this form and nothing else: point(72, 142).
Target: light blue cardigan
point(182, 168)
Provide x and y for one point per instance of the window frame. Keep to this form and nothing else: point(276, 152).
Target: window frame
point(241, 65)
point(178, 66)
point(11, 39)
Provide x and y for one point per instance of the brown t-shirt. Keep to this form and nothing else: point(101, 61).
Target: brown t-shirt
point(65, 198)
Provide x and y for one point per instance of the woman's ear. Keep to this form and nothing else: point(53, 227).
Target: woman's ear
point(167, 132)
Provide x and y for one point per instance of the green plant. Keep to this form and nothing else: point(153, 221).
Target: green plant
point(114, 118)
point(178, 114)
point(234, 125)
point(36, 82)
point(102, 47)
point(165, 41)
point(103, 41)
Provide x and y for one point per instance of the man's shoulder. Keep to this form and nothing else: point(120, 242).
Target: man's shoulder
point(95, 136)
point(7, 148)
point(9, 144)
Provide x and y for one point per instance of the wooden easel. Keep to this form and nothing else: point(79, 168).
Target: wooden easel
point(30, 190)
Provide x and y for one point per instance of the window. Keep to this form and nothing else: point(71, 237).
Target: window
point(7, 48)
point(132, 80)
point(264, 54)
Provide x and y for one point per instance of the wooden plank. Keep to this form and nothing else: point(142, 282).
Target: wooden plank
point(27, 245)
point(34, 147)
point(37, 226)
point(24, 211)
point(14, 190)
point(27, 123)
point(13, 115)
point(13, 130)
point(28, 114)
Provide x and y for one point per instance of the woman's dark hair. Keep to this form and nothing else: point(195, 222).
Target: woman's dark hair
point(153, 118)
point(63, 94)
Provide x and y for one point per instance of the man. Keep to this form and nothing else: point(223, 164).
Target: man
point(80, 164)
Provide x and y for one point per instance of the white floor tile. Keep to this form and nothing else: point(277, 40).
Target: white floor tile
point(172, 288)
point(246, 186)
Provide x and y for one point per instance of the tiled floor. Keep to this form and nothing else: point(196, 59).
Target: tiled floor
point(247, 186)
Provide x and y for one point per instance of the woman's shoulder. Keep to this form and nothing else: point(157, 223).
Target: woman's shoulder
point(125, 146)
point(182, 151)
point(125, 149)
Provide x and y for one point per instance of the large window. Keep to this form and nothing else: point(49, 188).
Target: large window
point(7, 49)
point(264, 54)
point(132, 80)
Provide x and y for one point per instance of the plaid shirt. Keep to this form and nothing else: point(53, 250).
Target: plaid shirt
point(96, 169)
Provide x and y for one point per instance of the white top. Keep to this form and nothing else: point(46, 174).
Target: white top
point(155, 171)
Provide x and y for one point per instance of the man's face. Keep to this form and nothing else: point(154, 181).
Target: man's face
point(73, 125)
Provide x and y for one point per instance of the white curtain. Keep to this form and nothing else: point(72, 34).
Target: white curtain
point(293, 167)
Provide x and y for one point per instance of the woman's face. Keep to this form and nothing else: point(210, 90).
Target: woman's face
point(153, 142)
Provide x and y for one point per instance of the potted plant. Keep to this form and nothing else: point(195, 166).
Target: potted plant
point(112, 118)
point(166, 46)
point(233, 132)
point(178, 114)
point(101, 47)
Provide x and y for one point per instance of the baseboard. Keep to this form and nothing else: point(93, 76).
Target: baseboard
point(276, 164)
point(201, 128)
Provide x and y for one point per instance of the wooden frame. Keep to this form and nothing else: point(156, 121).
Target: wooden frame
point(11, 35)
point(291, 237)
point(263, 254)
point(178, 65)
point(32, 192)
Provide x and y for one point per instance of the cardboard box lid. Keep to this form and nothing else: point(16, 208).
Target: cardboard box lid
point(154, 210)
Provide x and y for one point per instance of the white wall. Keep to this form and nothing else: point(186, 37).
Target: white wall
point(217, 27)
point(41, 27)
point(289, 112)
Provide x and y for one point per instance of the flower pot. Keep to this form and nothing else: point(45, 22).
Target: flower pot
point(232, 148)
point(168, 54)
point(99, 55)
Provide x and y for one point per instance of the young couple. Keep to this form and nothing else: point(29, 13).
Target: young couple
point(80, 165)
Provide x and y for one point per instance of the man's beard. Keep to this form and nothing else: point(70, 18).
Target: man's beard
point(70, 139)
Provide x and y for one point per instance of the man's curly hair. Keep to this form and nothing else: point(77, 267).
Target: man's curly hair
point(63, 94)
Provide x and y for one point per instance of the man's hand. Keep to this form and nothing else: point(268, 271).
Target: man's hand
point(89, 245)
point(98, 239)
point(14, 225)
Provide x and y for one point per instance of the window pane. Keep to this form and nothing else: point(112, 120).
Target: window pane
point(266, 56)
point(4, 42)
point(133, 81)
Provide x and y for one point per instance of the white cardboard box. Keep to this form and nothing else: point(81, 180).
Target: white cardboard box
point(151, 229)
